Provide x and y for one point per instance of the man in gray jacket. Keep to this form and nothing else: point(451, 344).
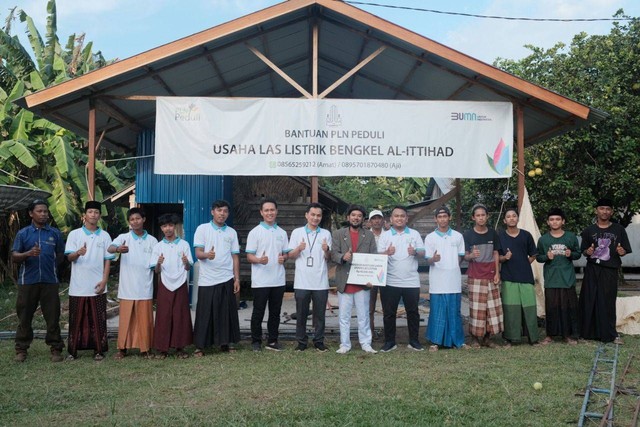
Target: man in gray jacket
point(346, 241)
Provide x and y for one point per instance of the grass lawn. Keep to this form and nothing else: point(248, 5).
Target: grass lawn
point(451, 387)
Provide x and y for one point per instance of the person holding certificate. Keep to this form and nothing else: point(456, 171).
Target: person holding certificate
point(403, 245)
point(345, 242)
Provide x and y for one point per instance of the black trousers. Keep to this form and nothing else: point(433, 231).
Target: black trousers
point(597, 303)
point(262, 297)
point(390, 297)
point(319, 299)
point(29, 296)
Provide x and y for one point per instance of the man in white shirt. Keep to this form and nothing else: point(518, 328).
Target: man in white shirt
point(135, 290)
point(444, 249)
point(403, 245)
point(267, 248)
point(86, 250)
point(310, 247)
point(376, 224)
point(217, 251)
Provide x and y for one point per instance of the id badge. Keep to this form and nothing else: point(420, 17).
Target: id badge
point(309, 261)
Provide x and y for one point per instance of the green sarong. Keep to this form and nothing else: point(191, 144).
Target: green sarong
point(519, 308)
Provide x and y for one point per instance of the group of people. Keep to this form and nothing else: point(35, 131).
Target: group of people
point(500, 281)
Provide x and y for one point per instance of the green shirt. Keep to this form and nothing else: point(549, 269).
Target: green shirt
point(559, 271)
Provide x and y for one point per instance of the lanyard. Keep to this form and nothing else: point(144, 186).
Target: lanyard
point(314, 241)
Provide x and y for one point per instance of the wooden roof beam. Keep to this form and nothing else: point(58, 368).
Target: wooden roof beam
point(155, 76)
point(363, 46)
point(278, 70)
point(408, 77)
point(352, 71)
point(462, 88)
point(85, 129)
point(209, 56)
point(108, 108)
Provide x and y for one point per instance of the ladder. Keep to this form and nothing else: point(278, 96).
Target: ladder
point(601, 387)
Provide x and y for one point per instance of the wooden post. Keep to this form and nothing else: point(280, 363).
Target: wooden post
point(314, 179)
point(520, 148)
point(458, 205)
point(91, 162)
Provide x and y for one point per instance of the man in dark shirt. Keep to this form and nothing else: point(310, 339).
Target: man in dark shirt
point(39, 249)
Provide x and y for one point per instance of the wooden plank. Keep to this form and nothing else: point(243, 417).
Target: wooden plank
point(280, 72)
point(351, 72)
point(91, 162)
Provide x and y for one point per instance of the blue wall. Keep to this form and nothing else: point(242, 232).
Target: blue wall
point(195, 192)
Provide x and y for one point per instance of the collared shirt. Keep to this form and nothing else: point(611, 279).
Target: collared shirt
point(445, 276)
point(172, 273)
point(311, 265)
point(269, 240)
point(87, 270)
point(43, 268)
point(136, 279)
point(224, 241)
point(402, 271)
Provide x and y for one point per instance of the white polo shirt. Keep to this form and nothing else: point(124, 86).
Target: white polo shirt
point(311, 265)
point(224, 241)
point(172, 273)
point(136, 280)
point(87, 271)
point(402, 270)
point(271, 241)
point(445, 276)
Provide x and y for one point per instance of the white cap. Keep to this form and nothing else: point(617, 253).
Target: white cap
point(375, 213)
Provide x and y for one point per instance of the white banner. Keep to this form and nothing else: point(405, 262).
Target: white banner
point(333, 137)
point(368, 268)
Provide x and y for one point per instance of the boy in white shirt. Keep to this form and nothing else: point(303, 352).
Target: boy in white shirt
point(135, 290)
point(171, 258)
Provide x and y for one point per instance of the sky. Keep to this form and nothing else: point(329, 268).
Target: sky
point(123, 28)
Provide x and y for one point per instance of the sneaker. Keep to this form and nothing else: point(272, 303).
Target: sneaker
point(256, 347)
point(301, 347)
point(343, 350)
point(388, 346)
point(98, 357)
point(415, 345)
point(274, 346)
point(321, 347)
point(369, 349)
point(21, 356)
point(70, 358)
point(56, 356)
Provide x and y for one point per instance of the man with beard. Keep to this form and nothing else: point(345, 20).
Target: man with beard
point(604, 244)
point(346, 241)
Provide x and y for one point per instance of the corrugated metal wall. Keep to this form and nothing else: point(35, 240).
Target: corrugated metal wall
point(194, 192)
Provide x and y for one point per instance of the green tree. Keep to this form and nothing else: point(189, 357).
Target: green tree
point(34, 150)
point(602, 71)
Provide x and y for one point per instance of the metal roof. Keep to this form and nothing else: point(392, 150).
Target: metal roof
point(219, 62)
point(13, 198)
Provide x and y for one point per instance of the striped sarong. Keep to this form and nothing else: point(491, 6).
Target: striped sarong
point(485, 308)
point(519, 306)
point(445, 321)
point(88, 324)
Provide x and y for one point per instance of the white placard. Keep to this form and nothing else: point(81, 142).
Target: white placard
point(368, 268)
point(333, 137)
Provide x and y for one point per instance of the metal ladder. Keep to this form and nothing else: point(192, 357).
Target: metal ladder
point(601, 387)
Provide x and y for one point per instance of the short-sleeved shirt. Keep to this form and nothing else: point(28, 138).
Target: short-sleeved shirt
point(272, 241)
point(136, 279)
point(402, 270)
point(445, 276)
point(87, 270)
point(172, 272)
point(224, 241)
point(43, 268)
point(483, 267)
point(311, 265)
point(558, 272)
point(518, 268)
point(605, 242)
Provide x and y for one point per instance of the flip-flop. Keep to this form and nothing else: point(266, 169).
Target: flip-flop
point(433, 348)
point(198, 354)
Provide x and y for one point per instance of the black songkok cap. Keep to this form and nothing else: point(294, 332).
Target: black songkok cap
point(556, 212)
point(92, 204)
point(605, 202)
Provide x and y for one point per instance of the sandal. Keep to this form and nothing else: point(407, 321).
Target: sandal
point(618, 341)
point(146, 355)
point(464, 347)
point(546, 341)
point(198, 353)
point(570, 341)
point(120, 355)
point(98, 357)
point(181, 354)
point(160, 356)
point(433, 348)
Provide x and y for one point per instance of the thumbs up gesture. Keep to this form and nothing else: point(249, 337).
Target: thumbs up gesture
point(83, 250)
point(436, 256)
point(264, 259)
point(160, 259)
point(35, 250)
point(325, 245)
point(302, 245)
point(391, 250)
point(567, 252)
point(123, 249)
point(411, 250)
point(347, 256)
point(475, 252)
point(507, 256)
point(185, 261)
point(282, 258)
point(621, 250)
point(211, 254)
point(590, 249)
point(550, 254)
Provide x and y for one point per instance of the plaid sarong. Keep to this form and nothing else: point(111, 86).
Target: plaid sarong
point(485, 308)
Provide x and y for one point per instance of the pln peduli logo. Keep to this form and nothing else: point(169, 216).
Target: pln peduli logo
point(501, 158)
